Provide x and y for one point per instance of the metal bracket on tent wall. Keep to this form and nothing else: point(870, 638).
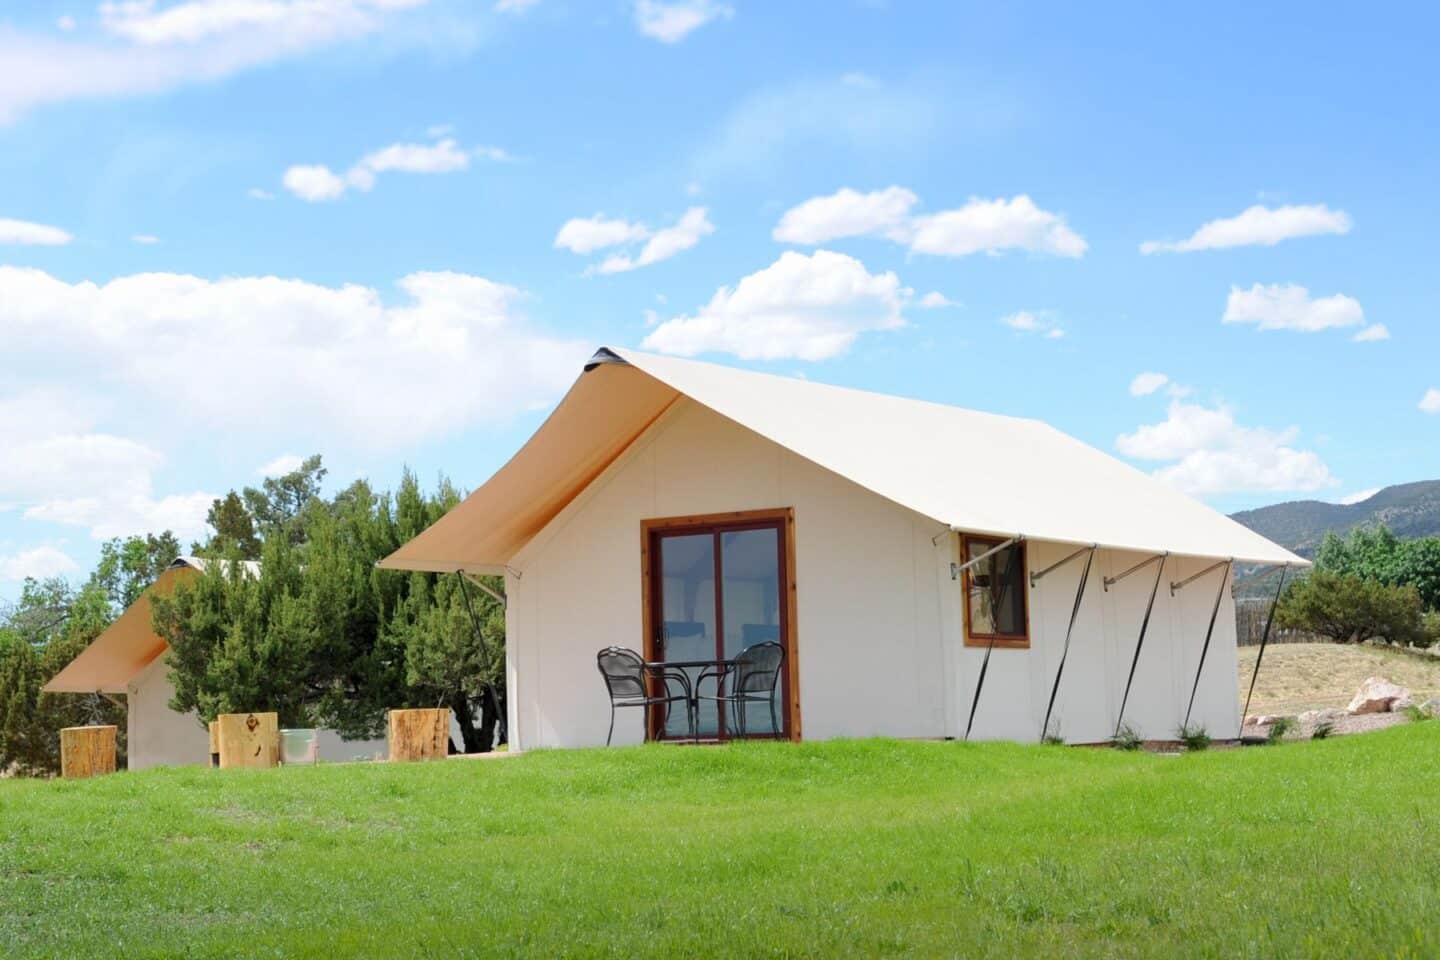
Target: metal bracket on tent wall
point(517, 574)
point(1111, 581)
point(1177, 587)
point(484, 587)
point(1037, 577)
point(958, 568)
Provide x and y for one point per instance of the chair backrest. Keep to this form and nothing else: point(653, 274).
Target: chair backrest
point(757, 668)
point(624, 672)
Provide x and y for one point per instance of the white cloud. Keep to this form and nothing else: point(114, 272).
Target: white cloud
point(1430, 403)
point(848, 213)
point(316, 183)
point(281, 465)
point(443, 156)
point(935, 299)
point(313, 183)
point(993, 226)
point(65, 22)
point(28, 234)
point(258, 193)
point(663, 244)
point(1026, 321)
point(1258, 226)
point(585, 235)
point(980, 226)
point(145, 239)
point(296, 362)
point(806, 307)
point(143, 48)
point(1214, 455)
point(1358, 496)
point(588, 235)
point(40, 563)
point(58, 468)
point(196, 20)
point(671, 22)
point(1372, 333)
point(1145, 384)
point(1290, 307)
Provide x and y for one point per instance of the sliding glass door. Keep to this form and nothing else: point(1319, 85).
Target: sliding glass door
point(717, 588)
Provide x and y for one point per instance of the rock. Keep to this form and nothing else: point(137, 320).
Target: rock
point(1431, 707)
point(1312, 718)
point(1403, 703)
point(1377, 695)
point(1270, 719)
point(1252, 721)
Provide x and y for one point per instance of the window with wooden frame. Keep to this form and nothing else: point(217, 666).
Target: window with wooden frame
point(996, 601)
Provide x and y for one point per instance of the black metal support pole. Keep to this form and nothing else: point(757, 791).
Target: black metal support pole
point(1264, 639)
point(1205, 648)
point(490, 693)
point(1065, 652)
point(979, 683)
point(1144, 626)
point(989, 648)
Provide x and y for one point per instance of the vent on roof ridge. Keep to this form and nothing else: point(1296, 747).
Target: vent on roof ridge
point(603, 355)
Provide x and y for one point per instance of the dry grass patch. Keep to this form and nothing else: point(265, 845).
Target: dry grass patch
point(1311, 676)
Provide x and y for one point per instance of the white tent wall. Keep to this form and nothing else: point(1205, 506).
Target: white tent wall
point(880, 621)
point(867, 636)
point(157, 736)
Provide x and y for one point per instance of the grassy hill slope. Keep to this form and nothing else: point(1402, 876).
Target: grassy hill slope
point(1408, 509)
point(1309, 676)
point(837, 849)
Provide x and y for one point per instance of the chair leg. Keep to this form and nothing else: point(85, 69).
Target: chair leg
point(611, 732)
point(774, 724)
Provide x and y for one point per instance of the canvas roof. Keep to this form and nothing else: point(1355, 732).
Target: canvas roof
point(130, 644)
point(971, 471)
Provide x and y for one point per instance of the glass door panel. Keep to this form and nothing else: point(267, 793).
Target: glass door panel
point(688, 627)
point(750, 603)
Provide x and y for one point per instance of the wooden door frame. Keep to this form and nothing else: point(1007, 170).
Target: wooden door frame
point(785, 516)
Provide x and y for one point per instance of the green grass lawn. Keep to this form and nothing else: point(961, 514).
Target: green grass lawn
point(847, 849)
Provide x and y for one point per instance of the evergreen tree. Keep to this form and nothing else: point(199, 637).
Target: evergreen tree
point(234, 529)
point(39, 636)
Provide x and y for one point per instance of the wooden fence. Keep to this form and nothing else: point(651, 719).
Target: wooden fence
point(1250, 614)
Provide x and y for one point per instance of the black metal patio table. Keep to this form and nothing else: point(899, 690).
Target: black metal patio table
point(719, 663)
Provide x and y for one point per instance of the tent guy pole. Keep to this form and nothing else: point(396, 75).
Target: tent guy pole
point(1264, 639)
point(989, 647)
point(1074, 614)
point(1144, 626)
point(1209, 631)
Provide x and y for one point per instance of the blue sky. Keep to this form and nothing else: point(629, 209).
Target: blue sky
point(234, 232)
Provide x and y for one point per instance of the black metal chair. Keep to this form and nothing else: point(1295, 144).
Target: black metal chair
point(752, 677)
point(625, 672)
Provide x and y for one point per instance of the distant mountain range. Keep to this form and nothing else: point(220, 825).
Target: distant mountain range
point(1408, 509)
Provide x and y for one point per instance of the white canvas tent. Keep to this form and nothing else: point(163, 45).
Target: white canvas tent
point(128, 659)
point(643, 440)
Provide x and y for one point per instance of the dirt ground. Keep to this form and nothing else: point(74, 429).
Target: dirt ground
point(1312, 676)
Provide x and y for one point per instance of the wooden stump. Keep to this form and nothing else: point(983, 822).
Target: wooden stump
point(248, 740)
point(214, 743)
point(86, 751)
point(418, 734)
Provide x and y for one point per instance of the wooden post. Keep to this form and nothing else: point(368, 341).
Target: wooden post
point(214, 743)
point(248, 740)
point(418, 734)
point(86, 751)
